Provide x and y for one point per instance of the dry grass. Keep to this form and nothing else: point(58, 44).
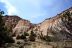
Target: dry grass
point(67, 44)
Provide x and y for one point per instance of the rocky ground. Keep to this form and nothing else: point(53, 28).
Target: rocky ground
point(39, 44)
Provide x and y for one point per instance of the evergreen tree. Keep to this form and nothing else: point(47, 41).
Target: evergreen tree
point(32, 36)
point(4, 38)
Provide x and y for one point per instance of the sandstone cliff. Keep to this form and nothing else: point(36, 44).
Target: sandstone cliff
point(59, 26)
point(16, 25)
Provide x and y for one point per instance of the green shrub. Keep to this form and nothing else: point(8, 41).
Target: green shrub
point(26, 34)
point(4, 37)
point(32, 36)
point(18, 37)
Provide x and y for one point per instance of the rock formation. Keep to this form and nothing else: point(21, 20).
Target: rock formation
point(59, 26)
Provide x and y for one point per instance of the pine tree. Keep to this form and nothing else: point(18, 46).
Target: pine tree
point(4, 38)
point(32, 36)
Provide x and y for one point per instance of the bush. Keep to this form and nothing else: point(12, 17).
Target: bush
point(23, 36)
point(26, 34)
point(32, 36)
point(18, 37)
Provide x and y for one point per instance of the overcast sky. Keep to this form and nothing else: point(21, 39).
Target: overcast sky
point(34, 10)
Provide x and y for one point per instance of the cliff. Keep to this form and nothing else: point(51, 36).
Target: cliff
point(59, 26)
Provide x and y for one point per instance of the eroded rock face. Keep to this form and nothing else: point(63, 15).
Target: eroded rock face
point(17, 25)
point(11, 21)
point(61, 25)
point(22, 26)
